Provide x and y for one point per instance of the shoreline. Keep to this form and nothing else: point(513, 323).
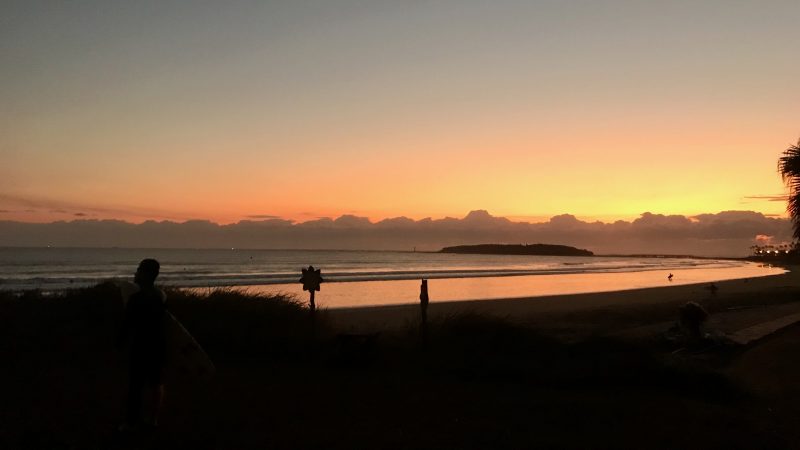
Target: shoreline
point(474, 288)
point(647, 304)
point(340, 296)
point(37, 269)
point(363, 279)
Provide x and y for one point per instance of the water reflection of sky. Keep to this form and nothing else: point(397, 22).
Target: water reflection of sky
point(354, 294)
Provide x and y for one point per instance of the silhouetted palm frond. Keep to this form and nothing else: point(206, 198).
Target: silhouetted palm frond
point(789, 168)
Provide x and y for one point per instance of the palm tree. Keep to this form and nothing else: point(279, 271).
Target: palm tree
point(789, 167)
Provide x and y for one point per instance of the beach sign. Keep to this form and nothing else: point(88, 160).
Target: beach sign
point(311, 280)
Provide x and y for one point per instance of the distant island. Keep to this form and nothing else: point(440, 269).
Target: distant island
point(518, 249)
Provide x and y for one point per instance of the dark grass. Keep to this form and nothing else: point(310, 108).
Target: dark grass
point(490, 350)
point(236, 323)
point(480, 382)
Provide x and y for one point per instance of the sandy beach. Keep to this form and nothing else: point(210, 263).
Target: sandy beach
point(592, 362)
point(592, 276)
point(738, 303)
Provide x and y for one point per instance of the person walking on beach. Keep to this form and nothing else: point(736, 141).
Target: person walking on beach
point(143, 330)
point(423, 304)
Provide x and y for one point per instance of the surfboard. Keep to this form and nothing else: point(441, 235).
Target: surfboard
point(186, 359)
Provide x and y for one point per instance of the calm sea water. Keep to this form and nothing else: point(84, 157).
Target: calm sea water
point(58, 268)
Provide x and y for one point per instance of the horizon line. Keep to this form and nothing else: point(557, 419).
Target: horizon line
point(292, 222)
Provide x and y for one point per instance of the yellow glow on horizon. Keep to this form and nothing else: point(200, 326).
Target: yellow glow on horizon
point(428, 109)
point(534, 164)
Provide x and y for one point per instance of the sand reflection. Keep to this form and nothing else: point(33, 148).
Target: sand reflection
point(397, 292)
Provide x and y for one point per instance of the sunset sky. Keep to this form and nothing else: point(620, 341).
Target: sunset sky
point(302, 109)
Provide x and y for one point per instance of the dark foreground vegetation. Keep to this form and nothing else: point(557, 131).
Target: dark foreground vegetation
point(480, 383)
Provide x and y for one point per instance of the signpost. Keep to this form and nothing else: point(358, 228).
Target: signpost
point(311, 280)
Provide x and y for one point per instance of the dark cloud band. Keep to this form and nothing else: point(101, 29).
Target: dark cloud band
point(728, 233)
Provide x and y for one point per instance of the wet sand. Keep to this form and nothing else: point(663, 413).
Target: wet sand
point(357, 294)
point(591, 312)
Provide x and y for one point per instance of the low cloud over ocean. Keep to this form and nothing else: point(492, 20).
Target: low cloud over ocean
point(728, 233)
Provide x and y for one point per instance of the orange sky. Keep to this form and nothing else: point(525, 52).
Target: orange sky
point(432, 109)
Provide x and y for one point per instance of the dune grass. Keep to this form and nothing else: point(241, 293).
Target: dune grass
point(237, 324)
point(480, 382)
point(232, 322)
point(227, 322)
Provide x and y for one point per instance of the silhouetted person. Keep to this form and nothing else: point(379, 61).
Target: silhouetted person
point(423, 294)
point(143, 329)
point(669, 277)
point(692, 317)
point(423, 304)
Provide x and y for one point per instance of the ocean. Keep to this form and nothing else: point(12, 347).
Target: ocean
point(358, 278)
point(58, 268)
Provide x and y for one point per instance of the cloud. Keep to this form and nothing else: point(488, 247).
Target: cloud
point(351, 221)
point(80, 214)
point(769, 198)
point(763, 239)
point(728, 233)
point(262, 216)
point(396, 223)
point(34, 204)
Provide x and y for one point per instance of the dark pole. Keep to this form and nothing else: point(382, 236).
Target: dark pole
point(423, 306)
point(313, 311)
point(311, 280)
